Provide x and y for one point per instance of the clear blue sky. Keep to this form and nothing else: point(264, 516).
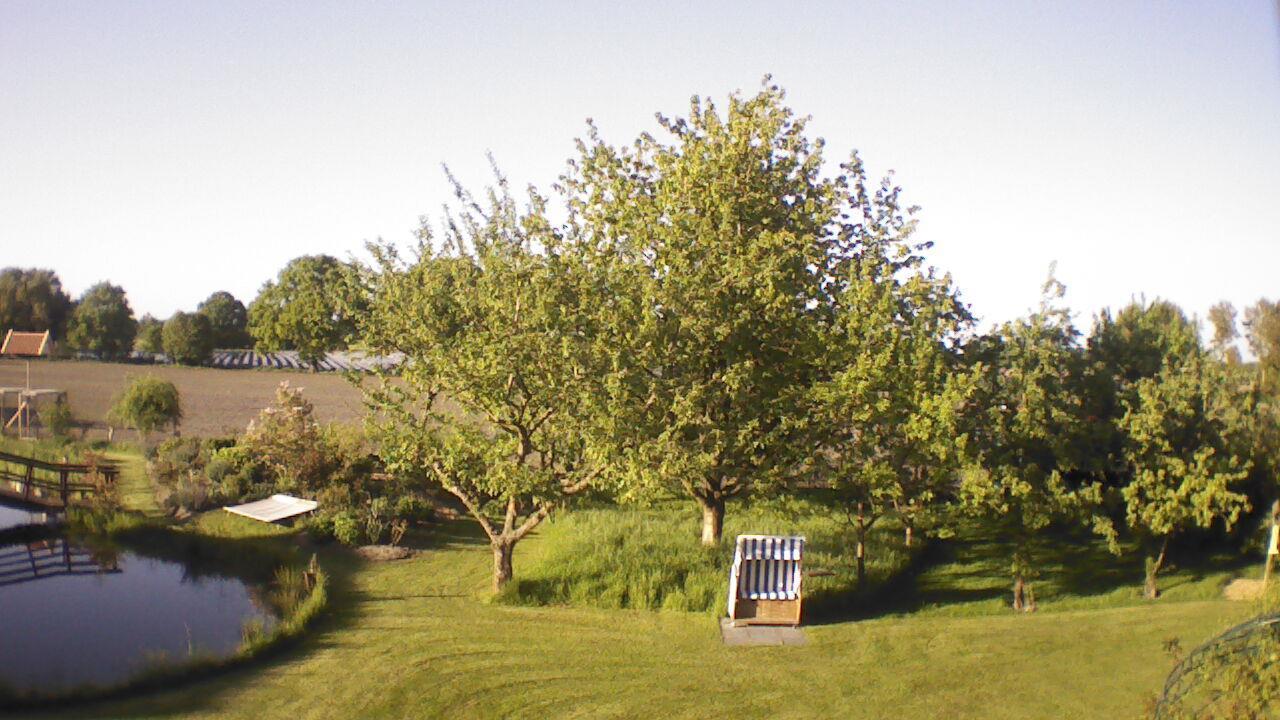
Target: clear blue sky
point(181, 148)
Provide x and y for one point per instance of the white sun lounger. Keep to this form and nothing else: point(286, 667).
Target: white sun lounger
point(274, 508)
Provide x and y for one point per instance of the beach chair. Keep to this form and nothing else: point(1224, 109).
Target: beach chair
point(764, 583)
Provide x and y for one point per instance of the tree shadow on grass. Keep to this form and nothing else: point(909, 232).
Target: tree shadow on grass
point(445, 533)
point(973, 568)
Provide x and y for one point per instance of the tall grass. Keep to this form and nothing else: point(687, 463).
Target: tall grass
point(652, 559)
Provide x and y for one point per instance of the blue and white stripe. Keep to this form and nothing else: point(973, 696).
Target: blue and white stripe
point(767, 567)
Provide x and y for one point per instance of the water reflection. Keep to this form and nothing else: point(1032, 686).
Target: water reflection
point(12, 516)
point(53, 557)
point(73, 615)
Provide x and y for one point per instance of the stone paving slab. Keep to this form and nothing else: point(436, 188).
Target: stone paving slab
point(747, 635)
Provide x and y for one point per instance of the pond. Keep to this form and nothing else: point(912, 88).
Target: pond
point(73, 615)
point(16, 516)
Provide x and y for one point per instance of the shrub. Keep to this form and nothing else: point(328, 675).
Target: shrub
point(147, 404)
point(182, 470)
point(188, 338)
point(287, 440)
point(60, 419)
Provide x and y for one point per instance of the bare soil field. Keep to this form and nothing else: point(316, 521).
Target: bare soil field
point(214, 401)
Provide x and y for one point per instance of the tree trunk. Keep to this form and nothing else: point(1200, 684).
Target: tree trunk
point(907, 534)
point(862, 565)
point(712, 521)
point(861, 527)
point(502, 572)
point(1019, 593)
point(1149, 589)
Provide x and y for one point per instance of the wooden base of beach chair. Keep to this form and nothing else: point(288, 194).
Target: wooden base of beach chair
point(766, 612)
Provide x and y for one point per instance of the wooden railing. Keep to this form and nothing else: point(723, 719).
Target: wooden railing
point(48, 558)
point(52, 484)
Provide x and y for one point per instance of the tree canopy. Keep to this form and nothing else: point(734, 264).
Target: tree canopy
point(500, 401)
point(33, 299)
point(1187, 442)
point(228, 321)
point(150, 336)
point(187, 338)
point(726, 225)
point(884, 417)
point(1027, 432)
point(102, 322)
point(310, 307)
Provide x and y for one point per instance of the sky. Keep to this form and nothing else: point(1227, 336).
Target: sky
point(177, 148)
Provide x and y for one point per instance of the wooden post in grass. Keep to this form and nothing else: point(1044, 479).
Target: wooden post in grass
point(1273, 543)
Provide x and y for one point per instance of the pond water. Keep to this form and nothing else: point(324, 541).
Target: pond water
point(73, 616)
point(11, 517)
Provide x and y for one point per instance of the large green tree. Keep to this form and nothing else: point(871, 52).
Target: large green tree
point(33, 299)
point(228, 320)
point(885, 419)
point(1188, 433)
point(102, 322)
point(728, 224)
point(1027, 433)
point(187, 338)
point(310, 307)
point(502, 396)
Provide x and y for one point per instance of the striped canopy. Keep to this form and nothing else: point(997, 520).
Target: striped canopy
point(766, 567)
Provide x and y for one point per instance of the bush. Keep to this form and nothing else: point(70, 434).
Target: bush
point(147, 404)
point(60, 419)
point(188, 338)
point(194, 474)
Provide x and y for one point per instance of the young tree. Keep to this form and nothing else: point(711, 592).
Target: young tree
point(1262, 329)
point(728, 229)
point(1131, 345)
point(1027, 433)
point(885, 421)
point(507, 370)
point(311, 307)
point(33, 300)
point(102, 322)
point(1222, 317)
point(147, 404)
point(228, 321)
point(1187, 437)
point(187, 338)
point(150, 337)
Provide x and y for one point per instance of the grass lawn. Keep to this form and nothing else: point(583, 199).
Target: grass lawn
point(418, 638)
point(414, 639)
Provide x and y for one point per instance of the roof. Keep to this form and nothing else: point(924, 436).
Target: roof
point(25, 344)
point(276, 507)
point(769, 547)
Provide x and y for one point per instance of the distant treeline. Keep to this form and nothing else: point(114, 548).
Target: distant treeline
point(306, 312)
